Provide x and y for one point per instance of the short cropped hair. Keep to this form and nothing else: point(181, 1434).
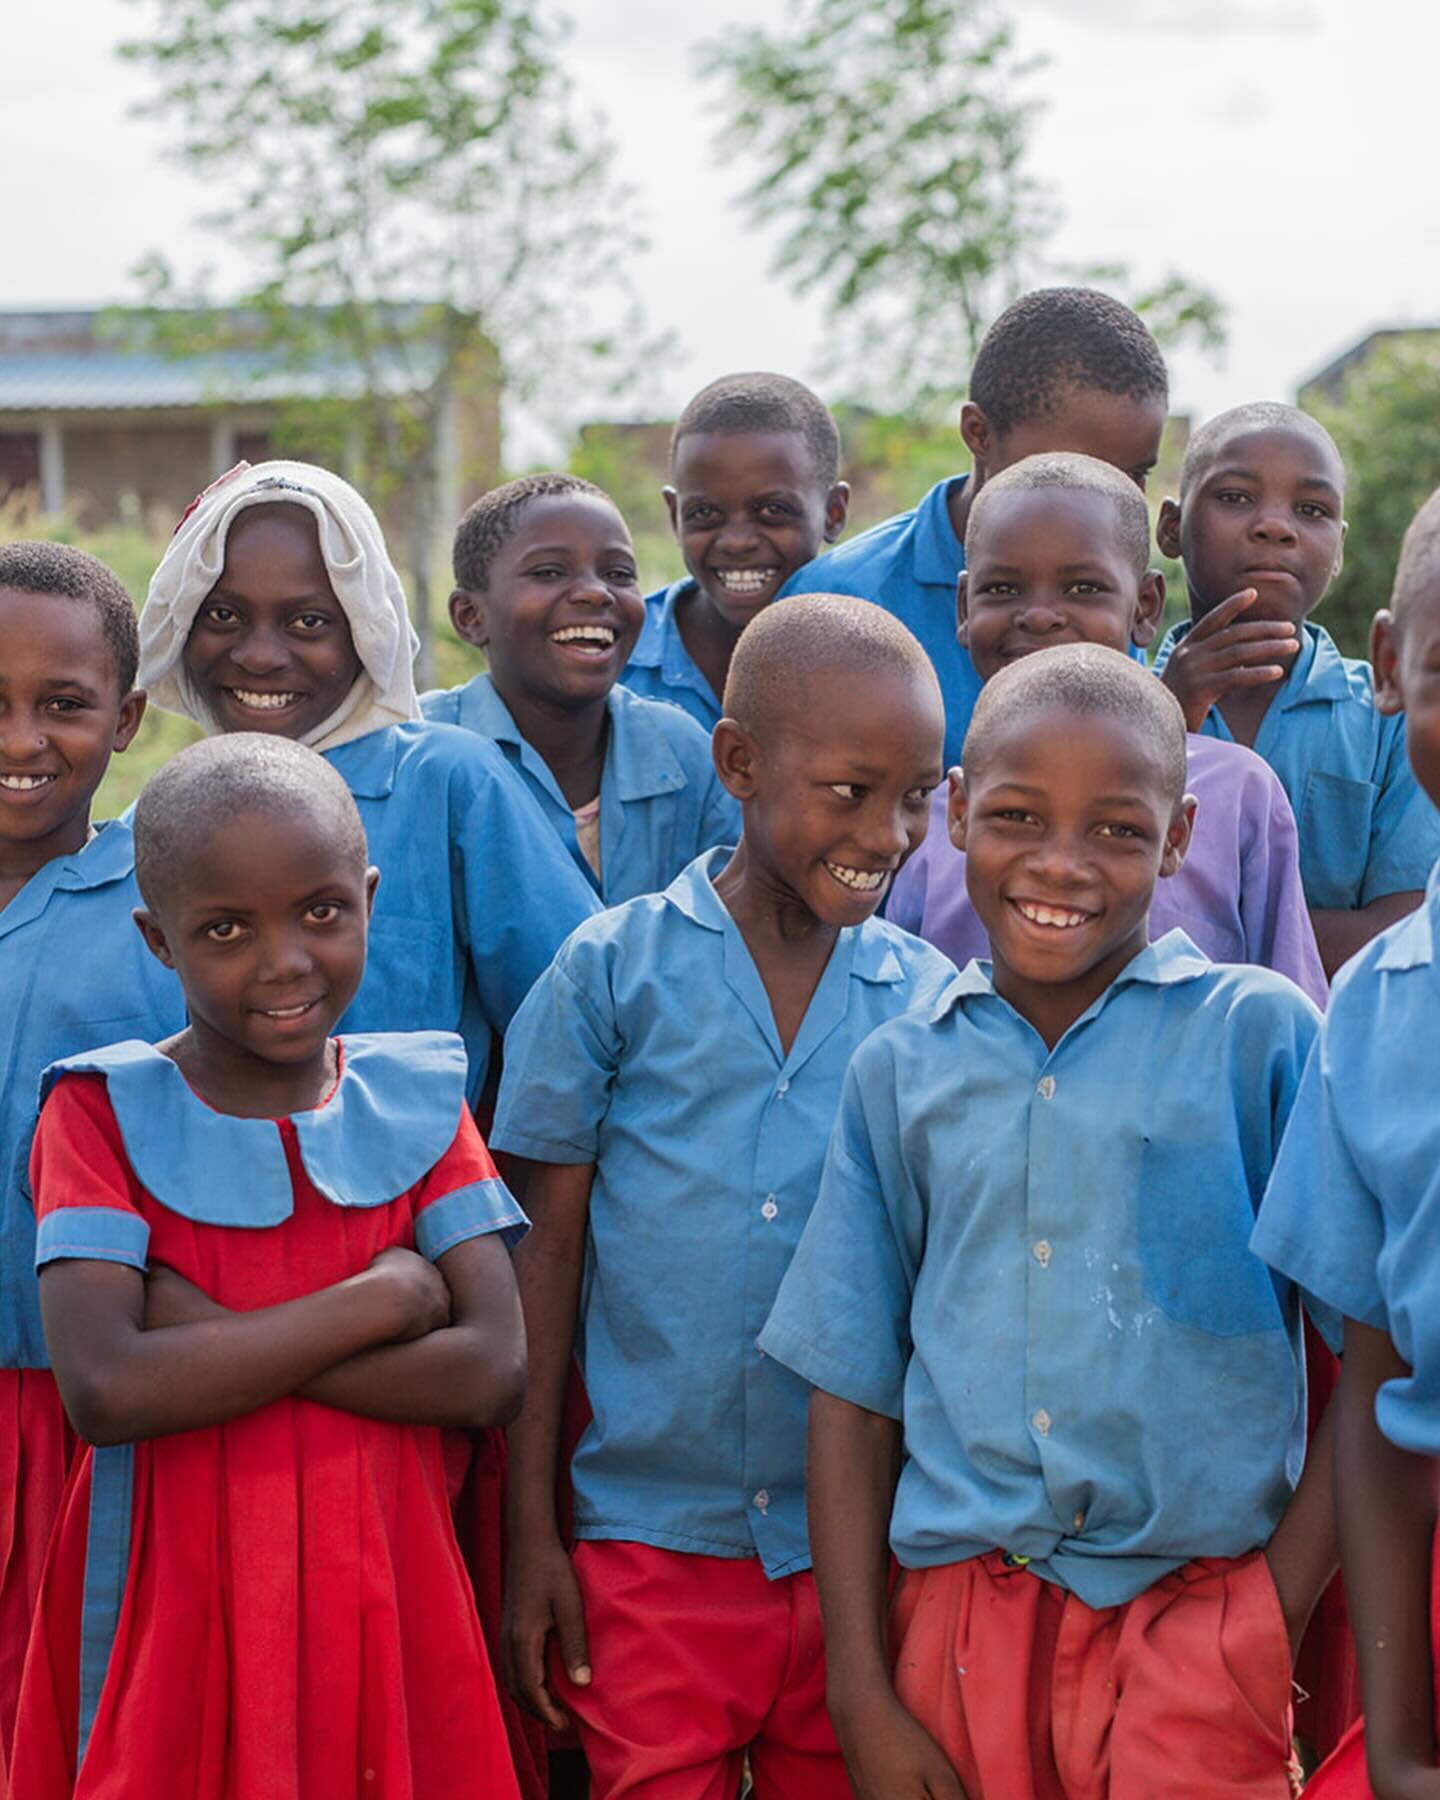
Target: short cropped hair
point(758, 401)
point(492, 521)
point(787, 647)
point(1417, 575)
point(35, 567)
point(211, 783)
point(1052, 341)
point(1256, 415)
point(1076, 475)
point(1086, 679)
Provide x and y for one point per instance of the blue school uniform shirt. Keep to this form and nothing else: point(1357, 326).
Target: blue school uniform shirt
point(1039, 1261)
point(1366, 827)
point(661, 802)
point(650, 1050)
point(909, 565)
point(661, 668)
point(1353, 1208)
point(74, 975)
point(476, 895)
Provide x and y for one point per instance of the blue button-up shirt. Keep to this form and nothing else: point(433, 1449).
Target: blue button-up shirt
point(1039, 1261)
point(650, 1050)
point(1366, 827)
point(476, 894)
point(74, 975)
point(661, 668)
point(910, 566)
point(1353, 1208)
point(661, 802)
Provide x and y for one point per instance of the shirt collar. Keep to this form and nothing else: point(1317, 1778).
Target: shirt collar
point(109, 856)
point(1164, 963)
point(939, 554)
point(368, 763)
point(1411, 943)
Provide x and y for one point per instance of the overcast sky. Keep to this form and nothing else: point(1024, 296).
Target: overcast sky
point(1281, 151)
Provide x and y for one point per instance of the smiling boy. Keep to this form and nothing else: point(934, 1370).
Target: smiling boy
point(672, 1080)
point(1259, 525)
point(1025, 1281)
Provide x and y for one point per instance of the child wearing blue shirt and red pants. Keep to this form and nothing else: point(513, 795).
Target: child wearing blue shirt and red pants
point(1353, 1212)
point(673, 1079)
point(1048, 1367)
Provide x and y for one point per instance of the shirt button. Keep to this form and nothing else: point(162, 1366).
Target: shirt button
point(1041, 1253)
point(1045, 1087)
point(1079, 1521)
point(762, 1499)
point(783, 1089)
point(769, 1210)
point(1041, 1422)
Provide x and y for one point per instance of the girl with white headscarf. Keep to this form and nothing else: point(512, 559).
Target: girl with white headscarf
point(276, 608)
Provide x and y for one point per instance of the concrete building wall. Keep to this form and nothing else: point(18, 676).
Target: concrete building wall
point(109, 467)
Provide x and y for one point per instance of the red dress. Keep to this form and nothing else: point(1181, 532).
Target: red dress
point(274, 1608)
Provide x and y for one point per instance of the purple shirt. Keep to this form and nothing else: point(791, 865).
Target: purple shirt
point(1237, 896)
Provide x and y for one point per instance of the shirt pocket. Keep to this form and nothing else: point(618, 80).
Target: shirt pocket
point(1334, 824)
point(1194, 1240)
point(409, 983)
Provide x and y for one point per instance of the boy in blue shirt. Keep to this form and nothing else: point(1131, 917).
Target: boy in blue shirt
point(1062, 369)
point(1260, 527)
point(754, 466)
point(74, 974)
point(1353, 1212)
point(672, 1080)
point(1036, 1330)
point(546, 586)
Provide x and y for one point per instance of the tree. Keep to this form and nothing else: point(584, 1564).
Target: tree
point(410, 182)
point(1387, 426)
point(892, 136)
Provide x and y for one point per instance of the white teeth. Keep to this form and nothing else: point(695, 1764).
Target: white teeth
point(863, 881)
point(288, 1012)
point(263, 702)
point(1054, 916)
point(25, 784)
point(744, 581)
point(601, 636)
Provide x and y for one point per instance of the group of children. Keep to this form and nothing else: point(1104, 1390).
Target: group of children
point(896, 1013)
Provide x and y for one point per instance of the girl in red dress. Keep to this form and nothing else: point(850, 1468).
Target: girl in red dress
point(273, 1265)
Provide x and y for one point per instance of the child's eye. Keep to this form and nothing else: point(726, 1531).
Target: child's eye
point(700, 515)
point(1312, 509)
point(622, 576)
point(64, 703)
point(775, 509)
point(1016, 815)
point(1000, 590)
point(1231, 497)
point(919, 796)
point(223, 931)
point(1116, 829)
point(1084, 590)
point(323, 912)
point(217, 614)
point(312, 621)
point(847, 790)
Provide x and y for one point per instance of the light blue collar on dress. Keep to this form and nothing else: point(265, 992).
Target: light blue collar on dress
point(392, 1116)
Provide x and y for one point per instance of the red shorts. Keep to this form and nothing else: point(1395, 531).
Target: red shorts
point(1035, 1696)
point(695, 1660)
point(1326, 1677)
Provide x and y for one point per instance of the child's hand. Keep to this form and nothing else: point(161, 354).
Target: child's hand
point(889, 1755)
point(1411, 1783)
point(1222, 652)
point(542, 1596)
point(172, 1300)
point(415, 1288)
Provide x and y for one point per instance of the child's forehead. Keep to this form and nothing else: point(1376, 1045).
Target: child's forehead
point(755, 461)
point(1290, 452)
point(1031, 525)
point(63, 628)
point(563, 518)
point(1042, 739)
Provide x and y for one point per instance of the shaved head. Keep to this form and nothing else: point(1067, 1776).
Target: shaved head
point(1239, 421)
point(1075, 475)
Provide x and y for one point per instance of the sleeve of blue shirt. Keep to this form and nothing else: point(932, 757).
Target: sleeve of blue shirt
point(561, 1055)
point(1319, 1224)
point(1404, 827)
point(841, 1319)
point(522, 894)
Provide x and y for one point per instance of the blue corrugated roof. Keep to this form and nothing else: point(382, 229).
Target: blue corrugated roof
point(89, 381)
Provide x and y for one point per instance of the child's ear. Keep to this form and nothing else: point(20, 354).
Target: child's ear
point(737, 758)
point(468, 616)
point(962, 613)
point(1150, 607)
point(1167, 529)
point(153, 933)
point(127, 723)
point(977, 435)
point(372, 881)
point(1340, 552)
point(1177, 838)
point(672, 506)
point(837, 510)
point(957, 808)
point(1385, 661)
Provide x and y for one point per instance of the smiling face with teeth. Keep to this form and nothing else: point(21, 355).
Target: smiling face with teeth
point(271, 648)
point(1066, 824)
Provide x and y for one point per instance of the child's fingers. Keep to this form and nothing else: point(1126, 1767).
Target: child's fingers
point(1224, 614)
point(570, 1635)
point(1245, 643)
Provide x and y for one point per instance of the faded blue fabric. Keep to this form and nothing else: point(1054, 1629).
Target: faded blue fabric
point(1366, 827)
point(474, 1211)
point(1038, 1260)
point(650, 1049)
point(661, 668)
point(92, 1234)
point(74, 974)
point(107, 1563)
point(661, 802)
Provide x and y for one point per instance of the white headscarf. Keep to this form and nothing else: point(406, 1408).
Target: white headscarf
point(360, 570)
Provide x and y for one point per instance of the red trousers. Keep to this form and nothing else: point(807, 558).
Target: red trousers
point(695, 1660)
point(1035, 1696)
point(1326, 1675)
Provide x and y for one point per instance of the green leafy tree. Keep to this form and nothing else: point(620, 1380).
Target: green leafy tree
point(415, 189)
point(892, 137)
point(1387, 425)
